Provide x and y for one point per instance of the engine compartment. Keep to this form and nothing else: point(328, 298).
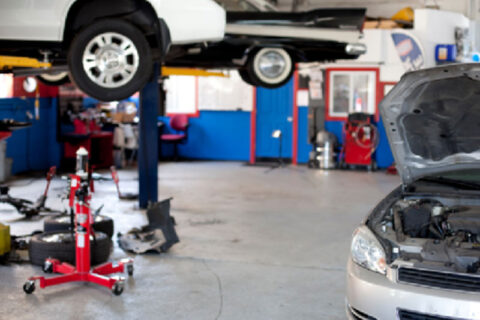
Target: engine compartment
point(430, 234)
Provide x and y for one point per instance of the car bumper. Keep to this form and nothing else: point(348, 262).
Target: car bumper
point(355, 49)
point(374, 296)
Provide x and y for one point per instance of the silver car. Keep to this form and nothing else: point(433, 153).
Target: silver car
point(417, 255)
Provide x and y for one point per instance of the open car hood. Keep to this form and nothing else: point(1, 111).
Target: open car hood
point(432, 120)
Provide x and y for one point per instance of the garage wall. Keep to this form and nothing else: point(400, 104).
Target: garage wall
point(225, 135)
point(304, 147)
point(214, 135)
point(36, 147)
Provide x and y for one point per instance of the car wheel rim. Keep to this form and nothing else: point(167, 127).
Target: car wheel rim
point(65, 237)
point(272, 64)
point(65, 219)
point(58, 238)
point(110, 60)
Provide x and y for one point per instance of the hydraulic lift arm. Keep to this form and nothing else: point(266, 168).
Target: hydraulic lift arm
point(9, 62)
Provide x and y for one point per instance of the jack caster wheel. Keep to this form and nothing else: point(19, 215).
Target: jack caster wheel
point(29, 287)
point(117, 288)
point(130, 270)
point(47, 267)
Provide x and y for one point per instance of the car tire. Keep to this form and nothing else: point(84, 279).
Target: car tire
point(280, 72)
point(245, 75)
point(60, 223)
point(110, 60)
point(61, 246)
point(54, 80)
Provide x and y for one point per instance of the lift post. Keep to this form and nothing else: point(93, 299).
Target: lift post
point(148, 144)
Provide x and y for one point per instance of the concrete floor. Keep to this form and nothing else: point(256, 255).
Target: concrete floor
point(254, 245)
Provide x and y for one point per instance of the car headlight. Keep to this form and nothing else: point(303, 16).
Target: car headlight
point(367, 251)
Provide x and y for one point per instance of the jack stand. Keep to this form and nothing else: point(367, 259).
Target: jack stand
point(79, 196)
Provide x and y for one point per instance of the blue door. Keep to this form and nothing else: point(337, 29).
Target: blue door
point(274, 112)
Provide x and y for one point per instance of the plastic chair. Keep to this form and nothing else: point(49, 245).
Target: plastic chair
point(178, 123)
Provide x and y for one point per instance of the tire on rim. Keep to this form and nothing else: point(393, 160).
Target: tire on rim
point(60, 223)
point(55, 79)
point(110, 60)
point(61, 246)
point(270, 67)
point(245, 75)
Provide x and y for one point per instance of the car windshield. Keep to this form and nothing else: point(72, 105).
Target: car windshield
point(243, 5)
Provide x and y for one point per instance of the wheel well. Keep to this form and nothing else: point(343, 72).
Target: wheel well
point(138, 12)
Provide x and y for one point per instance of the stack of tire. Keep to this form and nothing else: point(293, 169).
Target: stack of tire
point(58, 241)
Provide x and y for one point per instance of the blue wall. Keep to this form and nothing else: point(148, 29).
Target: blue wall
point(215, 135)
point(36, 147)
point(304, 147)
point(225, 135)
point(384, 154)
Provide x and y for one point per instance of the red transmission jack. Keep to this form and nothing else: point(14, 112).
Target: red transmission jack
point(80, 197)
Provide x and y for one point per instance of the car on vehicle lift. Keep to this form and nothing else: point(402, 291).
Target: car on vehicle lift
point(417, 255)
point(109, 45)
point(264, 44)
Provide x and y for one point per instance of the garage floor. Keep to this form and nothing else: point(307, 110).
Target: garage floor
point(254, 245)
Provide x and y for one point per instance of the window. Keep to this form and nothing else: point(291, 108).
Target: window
point(226, 94)
point(351, 91)
point(180, 94)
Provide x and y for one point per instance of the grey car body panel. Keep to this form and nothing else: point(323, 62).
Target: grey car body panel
point(432, 121)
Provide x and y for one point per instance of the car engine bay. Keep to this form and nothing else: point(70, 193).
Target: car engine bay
point(427, 233)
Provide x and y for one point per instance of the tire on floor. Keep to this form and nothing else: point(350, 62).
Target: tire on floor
point(62, 223)
point(61, 246)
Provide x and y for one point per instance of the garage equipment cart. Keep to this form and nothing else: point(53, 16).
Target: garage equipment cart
point(360, 141)
point(80, 198)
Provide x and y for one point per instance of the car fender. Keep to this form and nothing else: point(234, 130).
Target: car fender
point(139, 12)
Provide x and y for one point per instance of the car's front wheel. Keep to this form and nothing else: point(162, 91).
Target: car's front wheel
point(110, 60)
point(270, 67)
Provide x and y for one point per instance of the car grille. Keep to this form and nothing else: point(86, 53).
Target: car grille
point(409, 315)
point(437, 279)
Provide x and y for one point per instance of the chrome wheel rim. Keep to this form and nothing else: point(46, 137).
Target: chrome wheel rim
point(110, 60)
point(58, 238)
point(63, 237)
point(272, 64)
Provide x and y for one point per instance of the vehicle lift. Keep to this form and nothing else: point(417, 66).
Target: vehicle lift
point(82, 272)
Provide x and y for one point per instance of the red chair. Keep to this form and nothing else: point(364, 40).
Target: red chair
point(178, 123)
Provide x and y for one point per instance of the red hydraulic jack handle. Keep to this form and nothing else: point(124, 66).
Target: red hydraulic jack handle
point(50, 175)
point(82, 271)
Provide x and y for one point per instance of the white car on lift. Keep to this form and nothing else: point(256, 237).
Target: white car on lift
point(109, 45)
